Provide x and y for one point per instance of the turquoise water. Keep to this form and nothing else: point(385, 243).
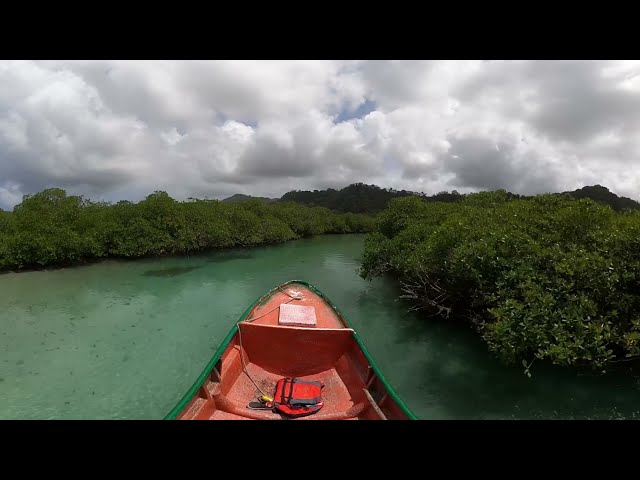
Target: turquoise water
point(125, 340)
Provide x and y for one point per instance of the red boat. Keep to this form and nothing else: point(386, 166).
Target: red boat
point(292, 355)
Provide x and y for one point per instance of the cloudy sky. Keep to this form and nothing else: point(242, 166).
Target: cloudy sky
point(115, 130)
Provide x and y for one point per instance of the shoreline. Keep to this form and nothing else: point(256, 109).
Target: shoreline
point(89, 262)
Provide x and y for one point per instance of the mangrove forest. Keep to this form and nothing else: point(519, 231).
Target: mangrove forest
point(550, 278)
point(51, 228)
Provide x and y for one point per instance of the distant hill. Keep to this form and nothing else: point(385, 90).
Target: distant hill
point(239, 197)
point(597, 193)
point(363, 198)
point(356, 198)
point(602, 194)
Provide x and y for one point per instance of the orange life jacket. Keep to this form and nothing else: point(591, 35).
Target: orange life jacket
point(297, 398)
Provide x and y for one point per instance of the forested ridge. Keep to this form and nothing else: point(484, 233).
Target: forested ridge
point(51, 228)
point(362, 198)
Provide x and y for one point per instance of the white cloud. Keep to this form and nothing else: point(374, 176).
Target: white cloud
point(121, 129)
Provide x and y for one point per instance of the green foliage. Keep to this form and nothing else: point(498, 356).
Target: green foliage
point(53, 229)
point(550, 278)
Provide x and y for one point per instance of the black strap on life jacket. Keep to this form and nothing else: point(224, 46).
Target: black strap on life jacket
point(289, 399)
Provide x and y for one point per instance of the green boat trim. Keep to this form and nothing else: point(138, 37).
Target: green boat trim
point(172, 415)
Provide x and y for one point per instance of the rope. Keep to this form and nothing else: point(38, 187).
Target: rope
point(295, 297)
point(244, 366)
point(267, 313)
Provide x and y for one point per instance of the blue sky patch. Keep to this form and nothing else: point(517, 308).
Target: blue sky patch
point(363, 109)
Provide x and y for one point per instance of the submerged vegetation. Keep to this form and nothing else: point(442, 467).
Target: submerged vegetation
point(549, 278)
point(51, 228)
